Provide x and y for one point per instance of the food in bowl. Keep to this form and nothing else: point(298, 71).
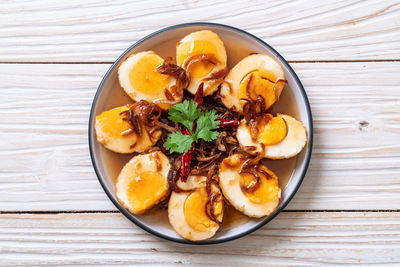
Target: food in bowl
point(202, 55)
point(199, 134)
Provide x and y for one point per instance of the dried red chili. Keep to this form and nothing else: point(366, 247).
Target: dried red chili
point(187, 157)
point(186, 161)
point(199, 96)
point(186, 131)
point(163, 149)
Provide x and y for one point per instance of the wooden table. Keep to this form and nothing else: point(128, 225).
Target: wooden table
point(53, 55)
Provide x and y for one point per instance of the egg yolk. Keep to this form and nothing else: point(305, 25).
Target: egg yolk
point(111, 122)
point(144, 77)
point(267, 191)
point(195, 214)
point(261, 83)
point(193, 48)
point(268, 75)
point(273, 132)
point(146, 190)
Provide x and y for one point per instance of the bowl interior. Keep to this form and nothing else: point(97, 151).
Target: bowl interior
point(238, 44)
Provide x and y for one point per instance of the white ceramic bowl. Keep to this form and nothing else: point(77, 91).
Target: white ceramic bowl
point(109, 94)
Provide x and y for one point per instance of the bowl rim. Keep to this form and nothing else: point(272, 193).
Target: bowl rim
point(130, 216)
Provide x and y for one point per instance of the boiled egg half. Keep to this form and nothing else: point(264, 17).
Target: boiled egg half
point(111, 131)
point(142, 182)
point(235, 185)
point(187, 210)
point(255, 75)
point(141, 81)
point(202, 54)
point(282, 136)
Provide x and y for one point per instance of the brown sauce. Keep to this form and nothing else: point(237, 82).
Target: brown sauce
point(282, 168)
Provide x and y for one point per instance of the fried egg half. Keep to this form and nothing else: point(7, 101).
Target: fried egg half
point(256, 74)
point(283, 137)
point(191, 48)
point(142, 182)
point(110, 128)
point(258, 203)
point(187, 211)
point(141, 81)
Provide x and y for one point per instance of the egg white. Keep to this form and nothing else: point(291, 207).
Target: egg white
point(209, 86)
point(230, 87)
point(122, 144)
point(124, 80)
point(176, 214)
point(290, 146)
point(132, 169)
point(229, 181)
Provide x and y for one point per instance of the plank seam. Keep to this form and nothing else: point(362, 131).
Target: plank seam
point(116, 211)
point(111, 62)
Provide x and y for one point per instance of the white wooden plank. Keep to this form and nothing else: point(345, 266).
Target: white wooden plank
point(291, 239)
point(45, 163)
point(93, 31)
point(356, 111)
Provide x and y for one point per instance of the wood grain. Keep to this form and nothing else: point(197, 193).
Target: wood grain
point(93, 31)
point(45, 163)
point(291, 239)
point(44, 110)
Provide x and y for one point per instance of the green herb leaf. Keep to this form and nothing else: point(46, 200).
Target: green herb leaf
point(205, 124)
point(185, 113)
point(178, 142)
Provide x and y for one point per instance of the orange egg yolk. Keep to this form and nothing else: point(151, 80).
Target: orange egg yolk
point(267, 191)
point(193, 48)
point(273, 132)
point(195, 214)
point(146, 190)
point(261, 83)
point(111, 122)
point(144, 77)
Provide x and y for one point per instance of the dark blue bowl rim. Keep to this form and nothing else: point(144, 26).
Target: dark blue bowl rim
point(212, 241)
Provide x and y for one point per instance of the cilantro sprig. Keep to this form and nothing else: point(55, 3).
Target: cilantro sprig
point(188, 113)
point(178, 142)
point(207, 122)
point(185, 113)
